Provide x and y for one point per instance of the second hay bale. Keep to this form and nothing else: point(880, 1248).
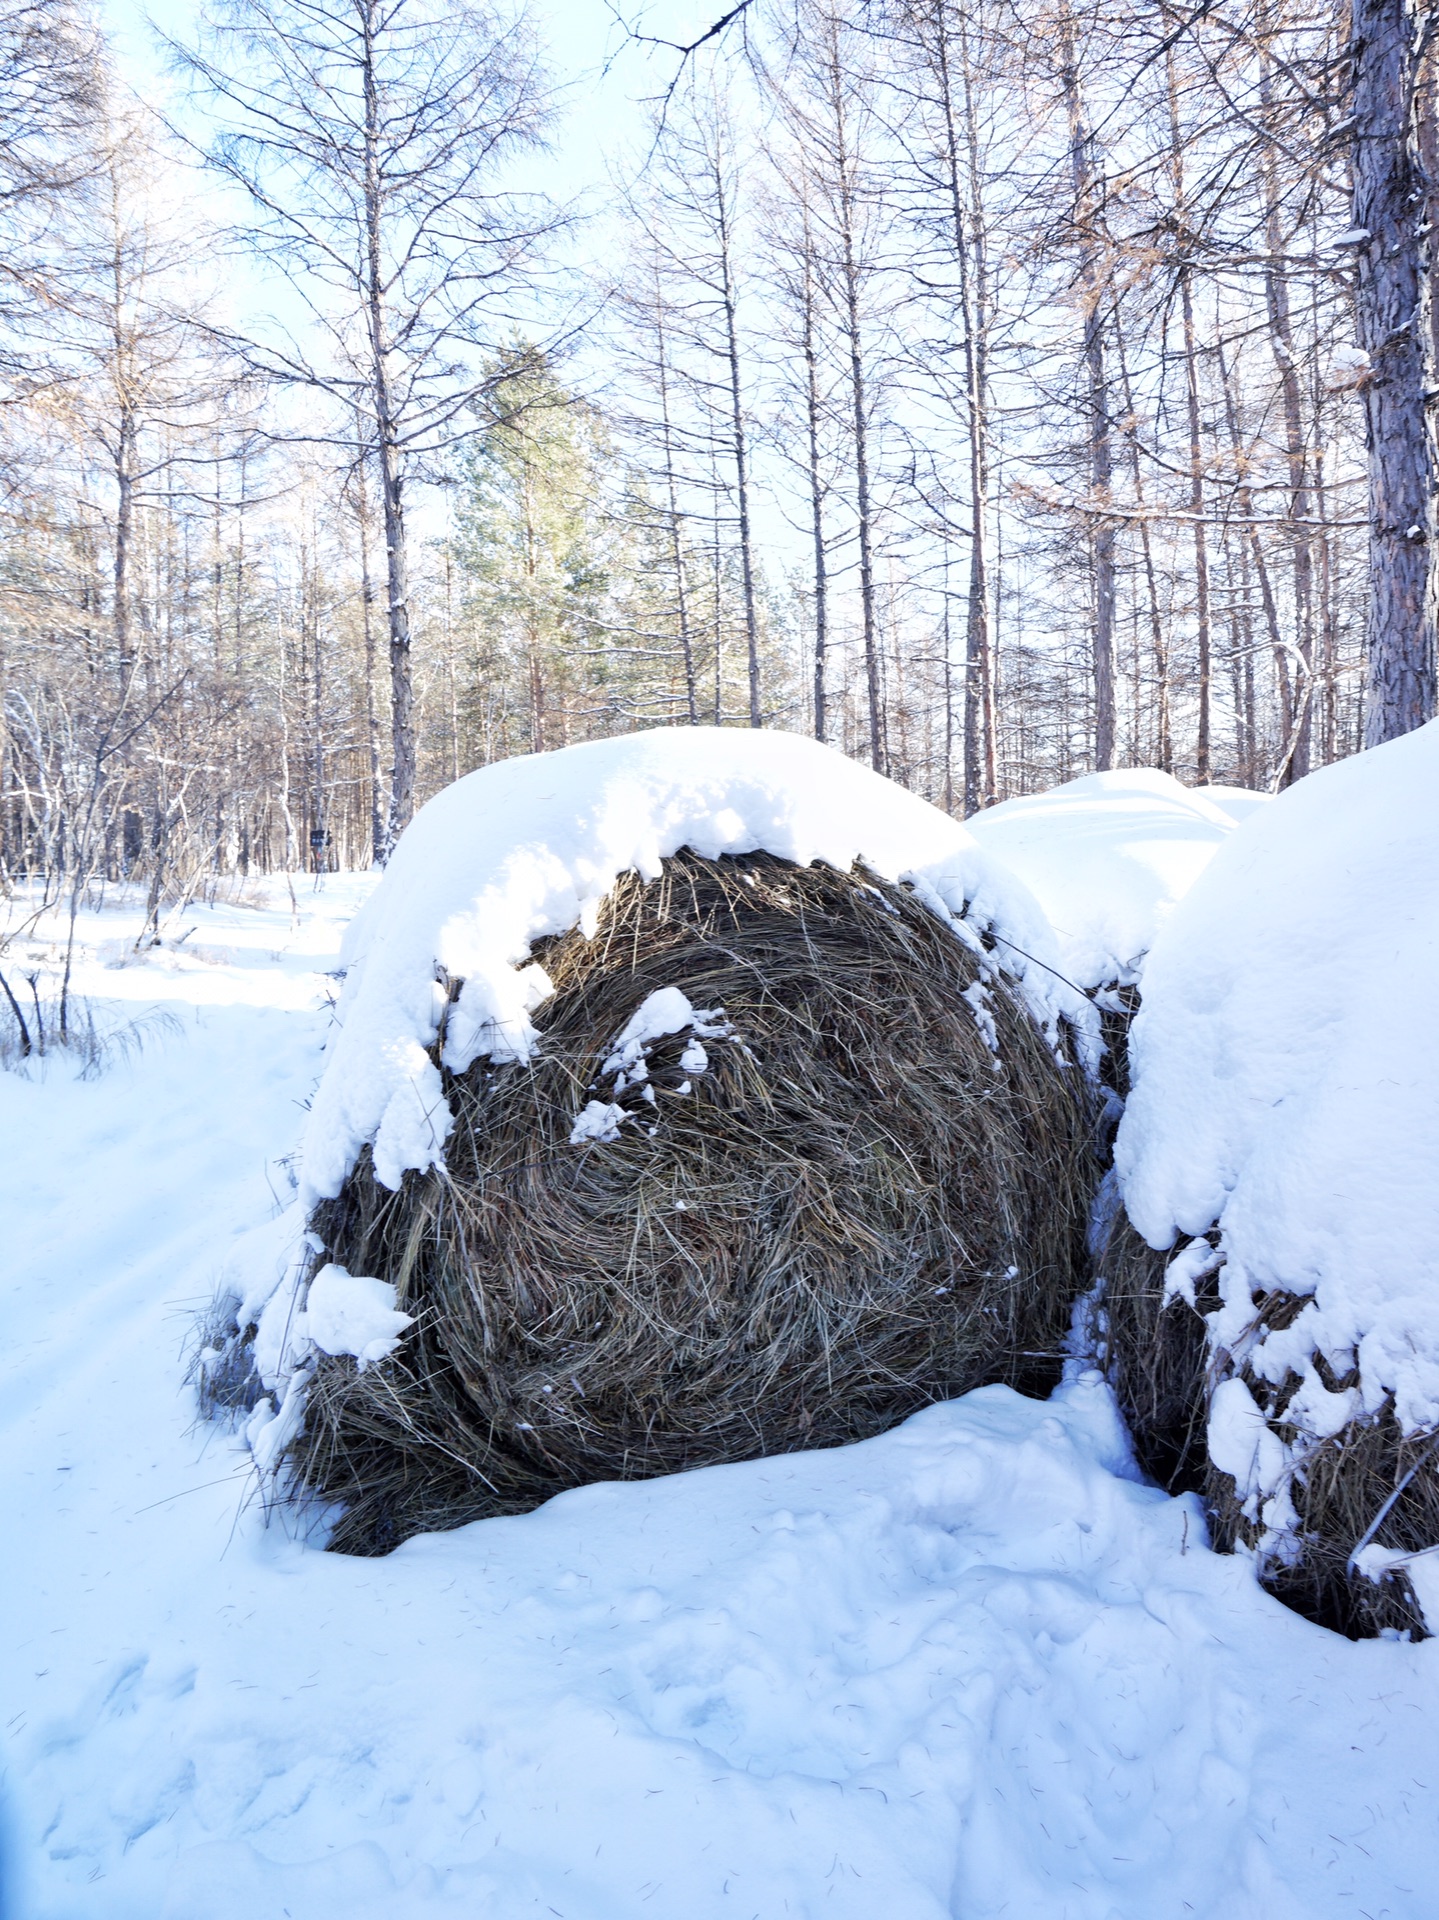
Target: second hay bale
point(1367, 1487)
point(869, 1196)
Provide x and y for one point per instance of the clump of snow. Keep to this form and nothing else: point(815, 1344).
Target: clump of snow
point(531, 847)
point(1285, 1071)
point(353, 1313)
point(659, 1016)
point(1349, 366)
point(599, 1120)
point(1108, 856)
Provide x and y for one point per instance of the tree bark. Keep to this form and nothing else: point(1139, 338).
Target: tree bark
point(1389, 208)
point(677, 557)
point(1101, 459)
point(741, 454)
point(968, 234)
point(1203, 634)
point(1164, 738)
point(816, 483)
point(379, 847)
point(391, 461)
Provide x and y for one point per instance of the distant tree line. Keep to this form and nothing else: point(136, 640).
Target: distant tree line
point(997, 389)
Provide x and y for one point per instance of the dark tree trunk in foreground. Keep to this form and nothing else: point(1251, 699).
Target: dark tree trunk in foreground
point(1389, 206)
point(1101, 456)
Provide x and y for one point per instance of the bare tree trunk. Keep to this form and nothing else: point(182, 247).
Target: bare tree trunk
point(677, 557)
point(1244, 501)
point(741, 455)
point(1389, 208)
point(402, 725)
point(1101, 462)
point(1164, 742)
point(379, 843)
point(319, 824)
point(831, 77)
point(878, 753)
point(1281, 335)
point(816, 482)
point(968, 237)
point(1241, 653)
point(1203, 634)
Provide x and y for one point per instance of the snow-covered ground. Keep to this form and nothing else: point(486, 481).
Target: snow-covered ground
point(971, 1668)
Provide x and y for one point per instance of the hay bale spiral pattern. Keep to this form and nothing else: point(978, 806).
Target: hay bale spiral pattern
point(869, 1196)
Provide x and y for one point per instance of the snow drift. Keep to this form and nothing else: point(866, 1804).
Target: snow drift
point(1109, 856)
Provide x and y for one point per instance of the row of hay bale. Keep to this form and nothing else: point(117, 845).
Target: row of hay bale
point(702, 1096)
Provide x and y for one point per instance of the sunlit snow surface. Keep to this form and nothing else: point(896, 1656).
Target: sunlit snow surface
point(972, 1668)
point(1109, 855)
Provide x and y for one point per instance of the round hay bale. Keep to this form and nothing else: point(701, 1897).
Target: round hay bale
point(831, 1173)
point(1280, 1143)
point(1367, 1485)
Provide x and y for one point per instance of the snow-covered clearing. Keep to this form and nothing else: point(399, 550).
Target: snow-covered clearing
point(971, 1668)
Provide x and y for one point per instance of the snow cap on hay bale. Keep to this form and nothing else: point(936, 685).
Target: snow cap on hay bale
point(1108, 857)
point(697, 1096)
point(1272, 1298)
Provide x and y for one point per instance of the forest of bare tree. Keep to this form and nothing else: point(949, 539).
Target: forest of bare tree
point(1000, 390)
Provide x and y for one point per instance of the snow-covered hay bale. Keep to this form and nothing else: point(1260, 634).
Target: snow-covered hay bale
point(1271, 1300)
point(1109, 856)
point(772, 1152)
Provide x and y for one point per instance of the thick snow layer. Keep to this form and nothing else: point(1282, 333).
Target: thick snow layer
point(532, 846)
point(1107, 857)
point(1286, 1080)
point(970, 1668)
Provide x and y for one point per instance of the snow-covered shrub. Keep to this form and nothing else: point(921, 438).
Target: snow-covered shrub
point(697, 1095)
point(1273, 1312)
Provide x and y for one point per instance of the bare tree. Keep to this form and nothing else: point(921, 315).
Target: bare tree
point(948, 78)
point(1094, 296)
point(373, 139)
point(688, 342)
point(1391, 43)
point(827, 88)
point(52, 95)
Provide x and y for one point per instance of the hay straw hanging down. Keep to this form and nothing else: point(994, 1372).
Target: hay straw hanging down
point(1366, 1486)
point(855, 1182)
